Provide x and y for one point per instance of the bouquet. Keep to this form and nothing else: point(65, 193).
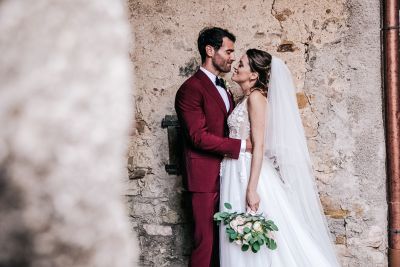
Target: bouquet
point(247, 230)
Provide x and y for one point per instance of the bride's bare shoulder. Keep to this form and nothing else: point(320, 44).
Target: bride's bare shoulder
point(256, 97)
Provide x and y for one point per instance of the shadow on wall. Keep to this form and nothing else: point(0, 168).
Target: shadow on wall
point(65, 113)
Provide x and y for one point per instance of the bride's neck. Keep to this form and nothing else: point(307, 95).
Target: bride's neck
point(246, 88)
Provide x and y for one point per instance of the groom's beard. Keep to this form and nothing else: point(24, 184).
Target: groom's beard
point(225, 67)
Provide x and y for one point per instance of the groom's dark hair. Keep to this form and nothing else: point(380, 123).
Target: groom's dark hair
point(212, 36)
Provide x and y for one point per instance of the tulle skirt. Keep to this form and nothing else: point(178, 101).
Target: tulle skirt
point(296, 247)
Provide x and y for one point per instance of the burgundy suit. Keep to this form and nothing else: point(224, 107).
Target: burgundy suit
point(202, 115)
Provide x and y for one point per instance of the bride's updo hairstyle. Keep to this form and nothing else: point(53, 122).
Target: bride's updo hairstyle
point(260, 62)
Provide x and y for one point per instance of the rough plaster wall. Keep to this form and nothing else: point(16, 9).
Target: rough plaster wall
point(65, 113)
point(333, 50)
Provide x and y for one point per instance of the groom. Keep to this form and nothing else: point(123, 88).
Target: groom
point(203, 104)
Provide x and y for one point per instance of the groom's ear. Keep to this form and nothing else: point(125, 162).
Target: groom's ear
point(210, 51)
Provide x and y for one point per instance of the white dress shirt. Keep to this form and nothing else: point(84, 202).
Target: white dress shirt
point(221, 91)
point(224, 96)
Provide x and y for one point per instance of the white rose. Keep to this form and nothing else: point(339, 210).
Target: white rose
point(238, 241)
point(240, 229)
point(257, 227)
point(248, 225)
point(234, 225)
point(240, 220)
point(245, 237)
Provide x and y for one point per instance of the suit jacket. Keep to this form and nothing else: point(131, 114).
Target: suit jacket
point(202, 114)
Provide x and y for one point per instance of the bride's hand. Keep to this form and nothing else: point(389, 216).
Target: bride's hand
point(253, 200)
point(249, 145)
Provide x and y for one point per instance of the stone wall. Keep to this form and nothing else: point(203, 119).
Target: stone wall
point(333, 50)
point(65, 114)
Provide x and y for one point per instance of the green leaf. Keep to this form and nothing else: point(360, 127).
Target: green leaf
point(270, 243)
point(232, 215)
point(248, 238)
point(255, 247)
point(273, 245)
point(229, 230)
point(228, 205)
point(245, 247)
point(224, 214)
point(272, 225)
point(246, 230)
point(233, 235)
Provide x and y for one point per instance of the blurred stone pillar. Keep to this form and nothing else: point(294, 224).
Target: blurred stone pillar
point(65, 114)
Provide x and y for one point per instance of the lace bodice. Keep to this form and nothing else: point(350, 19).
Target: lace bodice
point(238, 121)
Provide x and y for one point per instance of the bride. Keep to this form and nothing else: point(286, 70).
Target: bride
point(276, 179)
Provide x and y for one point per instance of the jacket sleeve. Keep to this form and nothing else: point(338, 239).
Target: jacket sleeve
point(188, 106)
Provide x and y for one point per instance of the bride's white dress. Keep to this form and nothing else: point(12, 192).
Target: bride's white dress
point(296, 246)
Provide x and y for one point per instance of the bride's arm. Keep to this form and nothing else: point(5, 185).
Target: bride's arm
point(257, 105)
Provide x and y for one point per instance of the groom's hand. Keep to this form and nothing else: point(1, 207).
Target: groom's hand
point(249, 145)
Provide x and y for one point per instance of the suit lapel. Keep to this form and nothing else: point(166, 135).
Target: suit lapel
point(211, 89)
point(231, 103)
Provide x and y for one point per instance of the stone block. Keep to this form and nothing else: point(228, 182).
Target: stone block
point(153, 229)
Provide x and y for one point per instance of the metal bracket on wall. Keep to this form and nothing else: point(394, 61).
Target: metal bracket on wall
point(171, 123)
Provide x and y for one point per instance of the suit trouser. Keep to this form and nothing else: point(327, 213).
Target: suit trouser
point(206, 243)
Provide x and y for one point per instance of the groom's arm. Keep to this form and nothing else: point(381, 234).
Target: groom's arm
point(188, 105)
